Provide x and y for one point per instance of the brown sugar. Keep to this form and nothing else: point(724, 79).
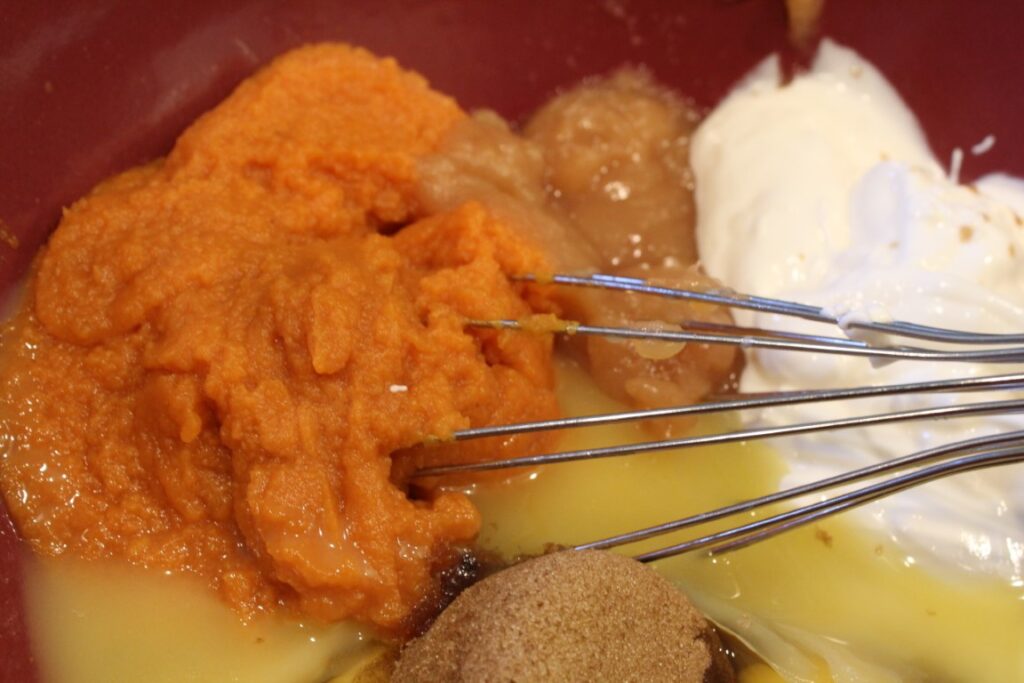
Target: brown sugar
point(568, 616)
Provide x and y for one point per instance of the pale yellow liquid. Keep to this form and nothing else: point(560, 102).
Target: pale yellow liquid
point(102, 622)
point(823, 603)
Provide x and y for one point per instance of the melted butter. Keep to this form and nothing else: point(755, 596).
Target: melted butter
point(823, 603)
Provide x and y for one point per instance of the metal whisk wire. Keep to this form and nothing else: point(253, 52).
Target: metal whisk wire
point(742, 536)
point(965, 410)
point(788, 341)
point(976, 453)
point(731, 299)
point(925, 466)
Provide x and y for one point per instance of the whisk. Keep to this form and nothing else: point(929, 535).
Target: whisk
point(899, 473)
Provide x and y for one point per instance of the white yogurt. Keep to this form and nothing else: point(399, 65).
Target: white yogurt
point(824, 191)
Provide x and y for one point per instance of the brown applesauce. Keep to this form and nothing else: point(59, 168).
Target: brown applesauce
point(600, 177)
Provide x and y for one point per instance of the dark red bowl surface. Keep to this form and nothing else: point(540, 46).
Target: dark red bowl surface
point(90, 88)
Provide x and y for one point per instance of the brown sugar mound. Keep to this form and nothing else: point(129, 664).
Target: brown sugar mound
point(569, 616)
point(219, 352)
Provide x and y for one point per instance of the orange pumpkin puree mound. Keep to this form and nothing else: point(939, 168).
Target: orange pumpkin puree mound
point(219, 352)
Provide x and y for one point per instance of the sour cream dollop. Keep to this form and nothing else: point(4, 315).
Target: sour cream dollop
point(824, 191)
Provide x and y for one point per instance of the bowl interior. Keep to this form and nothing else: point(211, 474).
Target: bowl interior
point(87, 89)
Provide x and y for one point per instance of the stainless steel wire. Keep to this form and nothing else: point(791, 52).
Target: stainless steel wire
point(992, 449)
point(949, 411)
point(744, 535)
point(731, 299)
point(747, 402)
point(790, 342)
point(901, 473)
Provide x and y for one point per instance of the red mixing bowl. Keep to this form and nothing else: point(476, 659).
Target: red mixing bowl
point(90, 88)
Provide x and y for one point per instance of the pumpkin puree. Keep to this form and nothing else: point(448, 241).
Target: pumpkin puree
point(219, 352)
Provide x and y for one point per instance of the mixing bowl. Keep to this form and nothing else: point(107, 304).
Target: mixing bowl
point(90, 88)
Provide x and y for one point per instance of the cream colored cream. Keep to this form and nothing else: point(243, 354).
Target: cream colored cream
point(824, 191)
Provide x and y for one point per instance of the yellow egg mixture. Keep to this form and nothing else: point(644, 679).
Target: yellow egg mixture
point(823, 603)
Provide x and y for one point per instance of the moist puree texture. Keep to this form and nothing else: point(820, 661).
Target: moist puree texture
point(219, 352)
